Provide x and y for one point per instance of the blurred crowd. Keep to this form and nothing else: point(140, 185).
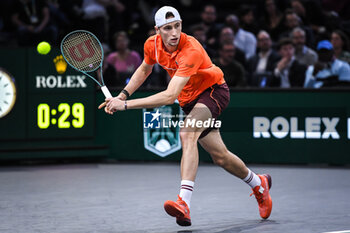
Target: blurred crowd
point(257, 43)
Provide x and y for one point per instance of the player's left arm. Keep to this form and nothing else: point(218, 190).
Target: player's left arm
point(166, 97)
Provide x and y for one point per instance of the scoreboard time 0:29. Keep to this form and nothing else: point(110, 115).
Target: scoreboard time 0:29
point(65, 115)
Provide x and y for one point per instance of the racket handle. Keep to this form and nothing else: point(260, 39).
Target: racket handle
point(106, 92)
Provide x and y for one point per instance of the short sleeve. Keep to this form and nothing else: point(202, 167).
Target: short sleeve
point(136, 58)
point(148, 50)
point(189, 63)
point(111, 58)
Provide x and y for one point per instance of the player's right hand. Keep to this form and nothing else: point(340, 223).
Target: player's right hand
point(104, 105)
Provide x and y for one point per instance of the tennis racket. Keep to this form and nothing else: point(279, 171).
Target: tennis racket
point(83, 51)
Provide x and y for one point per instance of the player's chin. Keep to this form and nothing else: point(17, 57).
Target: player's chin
point(173, 42)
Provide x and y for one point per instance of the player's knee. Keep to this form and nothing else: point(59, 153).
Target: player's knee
point(219, 161)
point(219, 157)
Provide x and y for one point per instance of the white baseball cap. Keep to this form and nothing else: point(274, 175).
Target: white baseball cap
point(160, 19)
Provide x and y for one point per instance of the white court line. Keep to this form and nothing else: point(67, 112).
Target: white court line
point(346, 231)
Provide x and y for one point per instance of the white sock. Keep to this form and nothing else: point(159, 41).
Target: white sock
point(252, 179)
point(186, 191)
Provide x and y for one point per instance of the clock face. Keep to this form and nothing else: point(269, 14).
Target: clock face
point(7, 93)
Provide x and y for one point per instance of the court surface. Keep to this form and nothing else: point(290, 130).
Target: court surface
point(107, 198)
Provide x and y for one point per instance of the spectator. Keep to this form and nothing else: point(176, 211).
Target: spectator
point(288, 72)
point(118, 17)
point(124, 60)
point(208, 22)
point(247, 19)
point(311, 14)
point(32, 21)
point(340, 44)
point(299, 9)
point(294, 21)
point(94, 18)
point(198, 32)
point(327, 71)
point(341, 7)
point(57, 15)
point(73, 11)
point(100, 16)
point(227, 36)
point(303, 54)
point(262, 64)
point(244, 40)
point(233, 71)
point(273, 19)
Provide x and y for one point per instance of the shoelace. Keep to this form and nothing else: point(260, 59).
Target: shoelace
point(180, 201)
point(258, 196)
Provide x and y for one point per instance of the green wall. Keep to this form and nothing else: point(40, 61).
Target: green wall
point(123, 131)
point(121, 136)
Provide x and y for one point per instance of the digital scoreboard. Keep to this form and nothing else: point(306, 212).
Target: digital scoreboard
point(61, 115)
point(60, 100)
point(53, 101)
point(46, 116)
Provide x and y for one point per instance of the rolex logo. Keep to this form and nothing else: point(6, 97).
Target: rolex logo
point(60, 64)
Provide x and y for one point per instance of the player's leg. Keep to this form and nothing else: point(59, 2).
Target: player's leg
point(189, 164)
point(221, 156)
point(189, 138)
point(260, 184)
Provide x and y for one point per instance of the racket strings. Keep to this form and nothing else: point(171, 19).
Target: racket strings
point(83, 51)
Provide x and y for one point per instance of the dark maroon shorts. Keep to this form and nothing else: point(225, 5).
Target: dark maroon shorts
point(216, 98)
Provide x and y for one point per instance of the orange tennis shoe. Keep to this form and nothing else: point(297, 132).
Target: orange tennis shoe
point(262, 195)
point(180, 210)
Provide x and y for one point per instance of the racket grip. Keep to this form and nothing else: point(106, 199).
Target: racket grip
point(106, 92)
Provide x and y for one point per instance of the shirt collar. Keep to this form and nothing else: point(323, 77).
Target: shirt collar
point(182, 42)
point(266, 54)
point(304, 49)
point(239, 32)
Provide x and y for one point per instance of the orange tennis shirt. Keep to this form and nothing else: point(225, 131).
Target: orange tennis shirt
point(189, 60)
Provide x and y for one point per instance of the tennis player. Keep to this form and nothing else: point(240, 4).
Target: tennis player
point(201, 90)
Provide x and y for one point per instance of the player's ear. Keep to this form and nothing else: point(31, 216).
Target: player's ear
point(157, 29)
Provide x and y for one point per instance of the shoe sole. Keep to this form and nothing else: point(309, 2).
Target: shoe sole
point(183, 222)
point(173, 210)
point(176, 212)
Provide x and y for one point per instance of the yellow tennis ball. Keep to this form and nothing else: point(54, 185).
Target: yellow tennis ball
point(43, 48)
